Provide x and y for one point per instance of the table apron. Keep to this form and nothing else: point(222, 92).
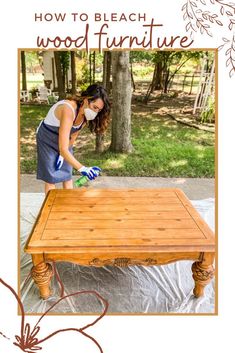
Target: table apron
point(149, 259)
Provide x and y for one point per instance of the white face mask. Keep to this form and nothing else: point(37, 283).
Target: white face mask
point(90, 114)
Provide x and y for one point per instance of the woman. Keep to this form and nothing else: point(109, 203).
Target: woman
point(57, 132)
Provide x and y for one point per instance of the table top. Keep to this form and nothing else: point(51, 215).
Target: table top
point(84, 220)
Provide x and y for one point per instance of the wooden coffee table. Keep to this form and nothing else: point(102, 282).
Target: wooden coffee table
point(120, 227)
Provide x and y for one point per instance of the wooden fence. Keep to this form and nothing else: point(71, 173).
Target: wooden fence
point(187, 83)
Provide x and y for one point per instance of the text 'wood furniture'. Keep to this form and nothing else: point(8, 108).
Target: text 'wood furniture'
point(120, 227)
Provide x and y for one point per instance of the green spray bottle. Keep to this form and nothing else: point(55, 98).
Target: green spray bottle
point(81, 181)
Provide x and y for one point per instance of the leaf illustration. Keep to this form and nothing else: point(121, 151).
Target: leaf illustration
point(231, 73)
point(187, 26)
point(190, 15)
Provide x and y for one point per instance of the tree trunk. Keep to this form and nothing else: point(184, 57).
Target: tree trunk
point(106, 84)
point(23, 70)
point(93, 68)
point(73, 71)
point(157, 75)
point(99, 143)
point(158, 78)
point(121, 108)
point(53, 73)
point(151, 86)
point(166, 81)
point(90, 62)
point(59, 75)
point(107, 71)
point(132, 78)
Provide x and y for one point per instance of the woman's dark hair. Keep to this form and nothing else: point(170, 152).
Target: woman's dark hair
point(93, 92)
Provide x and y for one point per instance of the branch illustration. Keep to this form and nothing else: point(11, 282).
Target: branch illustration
point(28, 342)
point(224, 6)
point(200, 19)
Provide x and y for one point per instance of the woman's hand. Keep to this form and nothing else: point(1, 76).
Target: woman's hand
point(59, 162)
point(90, 172)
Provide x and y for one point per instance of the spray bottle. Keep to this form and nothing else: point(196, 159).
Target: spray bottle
point(81, 181)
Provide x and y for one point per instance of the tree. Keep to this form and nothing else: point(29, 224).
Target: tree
point(121, 107)
point(61, 88)
point(132, 76)
point(23, 70)
point(33, 60)
point(65, 63)
point(167, 64)
point(92, 67)
point(107, 71)
point(158, 76)
point(73, 71)
point(107, 85)
point(62, 62)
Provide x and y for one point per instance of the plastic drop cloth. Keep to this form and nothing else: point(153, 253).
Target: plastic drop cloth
point(134, 289)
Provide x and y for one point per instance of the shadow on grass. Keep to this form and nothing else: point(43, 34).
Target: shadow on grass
point(162, 147)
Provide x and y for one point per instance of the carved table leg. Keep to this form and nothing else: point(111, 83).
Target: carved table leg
point(203, 272)
point(42, 274)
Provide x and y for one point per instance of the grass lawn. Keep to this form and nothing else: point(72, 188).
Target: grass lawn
point(162, 147)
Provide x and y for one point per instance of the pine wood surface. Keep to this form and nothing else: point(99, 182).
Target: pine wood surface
point(118, 221)
point(123, 227)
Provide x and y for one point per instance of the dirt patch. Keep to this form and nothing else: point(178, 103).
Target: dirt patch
point(174, 105)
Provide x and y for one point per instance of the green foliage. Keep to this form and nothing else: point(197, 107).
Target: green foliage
point(31, 58)
point(82, 71)
point(175, 58)
point(208, 115)
point(83, 86)
point(34, 91)
point(141, 56)
point(65, 60)
point(142, 71)
point(99, 59)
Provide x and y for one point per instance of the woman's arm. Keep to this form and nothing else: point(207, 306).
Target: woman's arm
point(66, 123)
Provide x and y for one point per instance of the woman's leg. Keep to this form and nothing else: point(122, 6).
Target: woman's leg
point(48, 187)
point(68, 184)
